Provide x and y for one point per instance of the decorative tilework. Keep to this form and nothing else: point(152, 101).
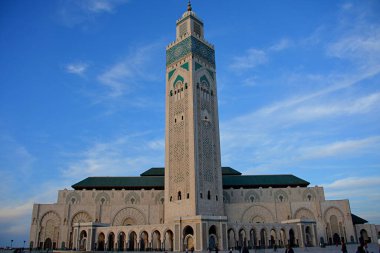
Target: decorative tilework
point(170, 74)
point(197, 66)
point(187, 46)
point(204, 79)
point(179, 78)
point(211, 74)
point(185, 66)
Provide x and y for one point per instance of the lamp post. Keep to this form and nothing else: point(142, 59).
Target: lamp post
point(11, 243)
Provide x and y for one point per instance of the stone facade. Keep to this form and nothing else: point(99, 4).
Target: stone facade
point(121, 219)
point(193, 209)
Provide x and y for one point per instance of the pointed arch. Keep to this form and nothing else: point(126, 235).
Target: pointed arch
point(303, 213)
point(102, 198)
point(73, 198)
point(257, 210)
point(132, 198)
point(130, 215)
point(81, 217)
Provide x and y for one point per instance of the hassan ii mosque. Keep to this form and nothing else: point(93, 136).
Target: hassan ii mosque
point(194, 202)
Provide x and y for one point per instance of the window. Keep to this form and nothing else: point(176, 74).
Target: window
point(182, 117)
point(208, 195)
point(188, 195)
point(201, 195)
point(216, 197)
point(197, 28)
point(182, 29)
point(252, 199)
point(171, 198)
point(179, 195)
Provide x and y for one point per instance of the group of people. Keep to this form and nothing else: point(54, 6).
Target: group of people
point(362, 248)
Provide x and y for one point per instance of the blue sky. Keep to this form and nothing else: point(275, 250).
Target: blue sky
point(82, 94)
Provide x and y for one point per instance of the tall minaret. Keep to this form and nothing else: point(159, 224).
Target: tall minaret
point(193, 176)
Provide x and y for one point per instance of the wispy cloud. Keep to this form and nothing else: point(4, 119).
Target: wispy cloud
point(122, 156)
point(252, 58)
point(362, 45)
point(346, 147)
point(123, 76)
point(78, 68)
point(281, 45)
point(77, 12)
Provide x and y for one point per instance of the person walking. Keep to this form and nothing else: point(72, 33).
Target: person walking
point(289, 249)
point(344, 247)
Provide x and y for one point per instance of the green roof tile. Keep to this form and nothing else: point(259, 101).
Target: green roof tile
point(357, 220)
point(154, 178)
point(108, 183)
point(275, 181)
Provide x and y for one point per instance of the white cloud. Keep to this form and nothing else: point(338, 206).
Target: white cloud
point(252, 58)
point(357, 46)
point(83, 12)
point(78, 68)
point(347, 147)
point(121, 156)
point(281, 45)
point(98, 6)
point(123, 76)
point(353, 182)
point(332, 84)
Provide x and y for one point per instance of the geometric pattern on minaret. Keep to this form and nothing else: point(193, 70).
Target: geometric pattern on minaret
point(193, 176)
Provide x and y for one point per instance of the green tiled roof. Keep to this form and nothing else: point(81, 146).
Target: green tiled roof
point(230, 171)
point(275, 181)
point(357, 220)
point(154, 178)
point(160, 171)
point(129, 183)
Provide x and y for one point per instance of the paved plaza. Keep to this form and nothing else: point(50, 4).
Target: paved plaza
point(372, 248)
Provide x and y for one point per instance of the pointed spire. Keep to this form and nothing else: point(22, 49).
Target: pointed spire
point(189, 6)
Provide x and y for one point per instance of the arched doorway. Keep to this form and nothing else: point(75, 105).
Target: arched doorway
point(242, 238)
point(336, 238)
point(101, 239)
point(364, 236)
point(309, 237)
point(272, 237)
point(121, 241)
point(188, 242)
point(82, 240)
point(283, 240)
point(48, 244)
point(132, 241)
point(252, 238)
point(263, 238)
point(212, 238)
point(231, 239)
point(291, 237)
point(111, 241)
point(143, 241)
point(168, 240)
point(156, 240)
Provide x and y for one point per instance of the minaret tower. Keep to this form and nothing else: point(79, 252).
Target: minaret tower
point(193, 175)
